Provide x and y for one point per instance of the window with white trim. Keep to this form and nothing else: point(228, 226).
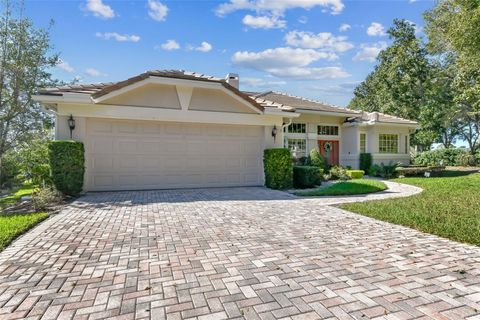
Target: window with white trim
point(363, 142)
point(298, 147)
point(388, 143)
point(327, 130)
point(297, 128)
point(406, 144)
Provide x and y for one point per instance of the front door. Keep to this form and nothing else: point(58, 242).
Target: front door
point(330, 150)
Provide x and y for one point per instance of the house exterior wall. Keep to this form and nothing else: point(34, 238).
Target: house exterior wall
point(216, 100)
point(149, 95)
point(349, 139)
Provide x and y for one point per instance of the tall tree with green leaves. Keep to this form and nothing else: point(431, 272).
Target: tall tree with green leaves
point(25, 58)
point(407, 83)
point(453, 31)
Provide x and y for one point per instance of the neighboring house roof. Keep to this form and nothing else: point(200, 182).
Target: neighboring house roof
point(260, 100)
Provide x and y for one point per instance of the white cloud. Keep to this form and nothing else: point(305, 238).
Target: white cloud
point(169, 45)
point(264, 22)
point(94, 73)
point(157, 10)
point(344, 27)
point(303, 19)
point(277, 7)
point(324, 41)
point(338, 89)
point(99, 9)
point(65, 66)
point(262, 83)
point(376, 29)
point(204, 47)
point(289, 62)
point(118, 37)
point(369, 52)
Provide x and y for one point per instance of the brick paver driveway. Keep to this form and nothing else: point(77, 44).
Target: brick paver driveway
point(233, 253)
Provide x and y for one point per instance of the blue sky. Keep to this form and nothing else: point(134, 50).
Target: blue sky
point(318, 49)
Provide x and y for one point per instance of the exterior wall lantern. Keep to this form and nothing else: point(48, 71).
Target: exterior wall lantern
point(71, 125)
point(274, 132)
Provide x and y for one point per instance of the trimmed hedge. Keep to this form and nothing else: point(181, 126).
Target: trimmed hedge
point(412, 171)
point(439, 157)
point(355, 174)
point(278, 168)
point(307, 176)
point(365, 161)
point(67, 161)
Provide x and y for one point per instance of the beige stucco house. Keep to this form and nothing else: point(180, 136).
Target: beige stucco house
point(175, 129)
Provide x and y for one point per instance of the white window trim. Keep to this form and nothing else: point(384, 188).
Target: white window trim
point(366, 143)
point(328, 125)
point(398, 143)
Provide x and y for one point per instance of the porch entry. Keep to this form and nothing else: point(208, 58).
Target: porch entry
point(330, 150)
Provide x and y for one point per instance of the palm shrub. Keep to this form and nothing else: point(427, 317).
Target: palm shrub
point(278, 168)
point(67, 160)
point(338, 172)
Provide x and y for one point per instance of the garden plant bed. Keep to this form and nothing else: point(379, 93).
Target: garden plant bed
point(448, 206)
point(342, 188)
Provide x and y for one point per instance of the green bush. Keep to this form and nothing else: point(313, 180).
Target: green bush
point(33, 162)
point(278, 168)
point(466, 160)
point(338, 172)
point(355, 174)
point(317, 160)
point(307, 176)
point(67, 160)
point(45, 197)
point(365, 161)
point(385, 171)
point(439, 157)
point(9, 171)
point(413, 171)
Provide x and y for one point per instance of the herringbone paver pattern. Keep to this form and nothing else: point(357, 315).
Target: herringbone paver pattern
point(228, 254)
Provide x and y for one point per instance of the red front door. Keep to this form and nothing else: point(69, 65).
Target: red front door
point(329, 149)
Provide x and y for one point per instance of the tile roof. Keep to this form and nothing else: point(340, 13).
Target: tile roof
point(260, 100)
point(283, 100)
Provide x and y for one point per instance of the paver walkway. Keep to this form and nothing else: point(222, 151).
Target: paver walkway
point(232, 253)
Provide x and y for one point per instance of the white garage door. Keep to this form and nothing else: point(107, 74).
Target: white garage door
point(129, 155)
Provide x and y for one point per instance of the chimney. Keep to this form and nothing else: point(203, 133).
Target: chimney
point(374, 116)
point(233, 79)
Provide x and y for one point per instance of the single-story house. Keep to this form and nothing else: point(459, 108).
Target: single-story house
point(177, 129)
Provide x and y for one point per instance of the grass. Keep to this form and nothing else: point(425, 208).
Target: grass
point(25, 190)
point(351, 187)
point(11, 226)
point(448, 207)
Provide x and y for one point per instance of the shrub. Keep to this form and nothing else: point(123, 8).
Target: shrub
point(67, 160)
point(385, 171)
point(466, 160)
point(33, 162)
point(317, 160)
point(365, 161)
point(307, 176)
point(45, 197)
point(338, 172)
point(9, 171)
point(355, 174)
point(439, 157)
point(278, 168)
point(419, 171)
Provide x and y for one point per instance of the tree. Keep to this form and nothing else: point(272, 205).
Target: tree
point(400, 82)
point(453, 31)
point(24, 62)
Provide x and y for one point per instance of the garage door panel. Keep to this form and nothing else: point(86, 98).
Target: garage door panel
point(128, 155)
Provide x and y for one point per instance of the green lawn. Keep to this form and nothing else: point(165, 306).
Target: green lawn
point(11, 226)
point(449, 207)
point(26, 190)
point(351, 187)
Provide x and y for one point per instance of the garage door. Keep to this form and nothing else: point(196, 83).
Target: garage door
point(135, 155)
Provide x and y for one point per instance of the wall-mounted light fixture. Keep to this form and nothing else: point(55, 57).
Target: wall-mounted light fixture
point(274, 132)
point(71, 125)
